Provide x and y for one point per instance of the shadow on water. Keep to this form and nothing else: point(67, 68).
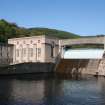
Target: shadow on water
point(41, 76)
point(34, 76)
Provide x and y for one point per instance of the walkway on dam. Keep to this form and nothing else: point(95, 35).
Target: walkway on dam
point(88, 40)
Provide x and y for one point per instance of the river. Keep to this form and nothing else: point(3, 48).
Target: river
point(36, 89)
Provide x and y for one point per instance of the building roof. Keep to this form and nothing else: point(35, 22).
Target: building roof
point(41, 36)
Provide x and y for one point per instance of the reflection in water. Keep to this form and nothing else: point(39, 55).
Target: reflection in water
point(26, 90)
point(51, 90)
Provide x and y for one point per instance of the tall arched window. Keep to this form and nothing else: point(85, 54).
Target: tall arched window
point(52, 49)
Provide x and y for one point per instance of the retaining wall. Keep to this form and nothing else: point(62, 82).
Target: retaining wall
point(83, 66)
point(27, 68)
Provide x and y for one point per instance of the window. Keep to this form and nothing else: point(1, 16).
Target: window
point(17, 42)
point(1, 50)
point(52, 49)
point(17, 52)
point(38, 41)
point(53, 44)
point(31, 42)
point(31, 52)
point(39, 52)
point(24, 51)
point(52, 55)
point(24, 42)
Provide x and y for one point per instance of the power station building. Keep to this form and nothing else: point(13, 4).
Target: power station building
point(34, 49)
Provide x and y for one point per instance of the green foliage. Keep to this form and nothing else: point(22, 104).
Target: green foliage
point(11, 30)
point(52, 32)
point(7, 30)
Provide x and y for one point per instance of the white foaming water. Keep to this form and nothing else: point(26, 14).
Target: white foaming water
point(84, 54)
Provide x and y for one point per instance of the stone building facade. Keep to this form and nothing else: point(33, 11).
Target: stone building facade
point(6, 54)
point(34, 49)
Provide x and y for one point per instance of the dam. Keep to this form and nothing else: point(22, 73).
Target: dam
point(31, 54)
point(85, 61)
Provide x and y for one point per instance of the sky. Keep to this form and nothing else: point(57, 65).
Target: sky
point(83, 17)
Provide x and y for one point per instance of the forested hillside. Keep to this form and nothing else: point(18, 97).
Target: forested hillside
point(11, 30)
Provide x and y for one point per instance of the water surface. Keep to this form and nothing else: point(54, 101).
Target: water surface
point(51, 90)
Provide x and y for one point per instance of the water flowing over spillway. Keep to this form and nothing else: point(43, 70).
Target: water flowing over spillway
point(85, 61)
point(84, 54)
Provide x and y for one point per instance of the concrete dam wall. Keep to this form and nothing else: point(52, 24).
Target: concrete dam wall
point(83, 66)
point(65, 66)
point(25, 68)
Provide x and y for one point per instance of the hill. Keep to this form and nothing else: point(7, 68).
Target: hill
point(12, 30)
point(52, 32)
